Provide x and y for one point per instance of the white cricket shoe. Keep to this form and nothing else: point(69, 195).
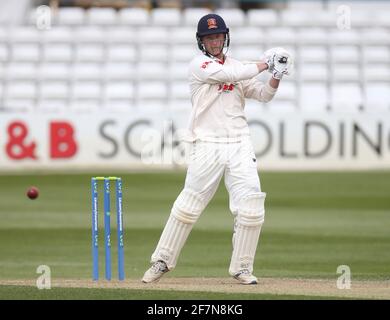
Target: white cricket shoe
point(245, 277)
point(155, 272)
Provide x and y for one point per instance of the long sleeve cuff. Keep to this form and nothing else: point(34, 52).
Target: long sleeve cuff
point(268, 92)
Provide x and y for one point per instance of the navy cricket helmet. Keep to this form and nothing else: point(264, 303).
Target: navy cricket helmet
point(211, 24)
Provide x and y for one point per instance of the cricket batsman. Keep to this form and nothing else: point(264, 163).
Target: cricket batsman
point(221, 146)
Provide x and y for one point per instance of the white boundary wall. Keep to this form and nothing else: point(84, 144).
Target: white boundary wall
point(115, 141)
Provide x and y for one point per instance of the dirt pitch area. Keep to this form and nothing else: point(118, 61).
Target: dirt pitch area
point(282, 286)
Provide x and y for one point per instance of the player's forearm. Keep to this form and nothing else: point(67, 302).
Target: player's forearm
point(274, 83)
point(262, 66)
point(267, 92)
point(234, 73)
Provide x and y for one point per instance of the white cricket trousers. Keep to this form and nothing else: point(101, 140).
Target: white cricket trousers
point(208, 162)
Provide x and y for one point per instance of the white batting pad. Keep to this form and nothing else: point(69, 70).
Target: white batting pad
point(171, 241)
point(247, 229)
point(186, 210)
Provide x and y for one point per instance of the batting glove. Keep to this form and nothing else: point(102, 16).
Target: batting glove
point(280, 62)
point(269, 61)
point(277, 75)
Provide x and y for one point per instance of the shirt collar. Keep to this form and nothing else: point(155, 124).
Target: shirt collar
point(217, 60)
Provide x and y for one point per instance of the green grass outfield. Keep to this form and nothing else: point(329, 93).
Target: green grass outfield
point(314, 223)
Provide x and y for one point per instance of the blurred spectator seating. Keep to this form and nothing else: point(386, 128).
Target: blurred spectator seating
point(107, 58)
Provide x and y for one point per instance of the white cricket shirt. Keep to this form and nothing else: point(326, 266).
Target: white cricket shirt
point(218, 92)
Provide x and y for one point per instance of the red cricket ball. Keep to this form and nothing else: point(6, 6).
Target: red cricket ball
point(32, 193)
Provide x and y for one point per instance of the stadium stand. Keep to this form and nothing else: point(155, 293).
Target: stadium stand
point(118, 59)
